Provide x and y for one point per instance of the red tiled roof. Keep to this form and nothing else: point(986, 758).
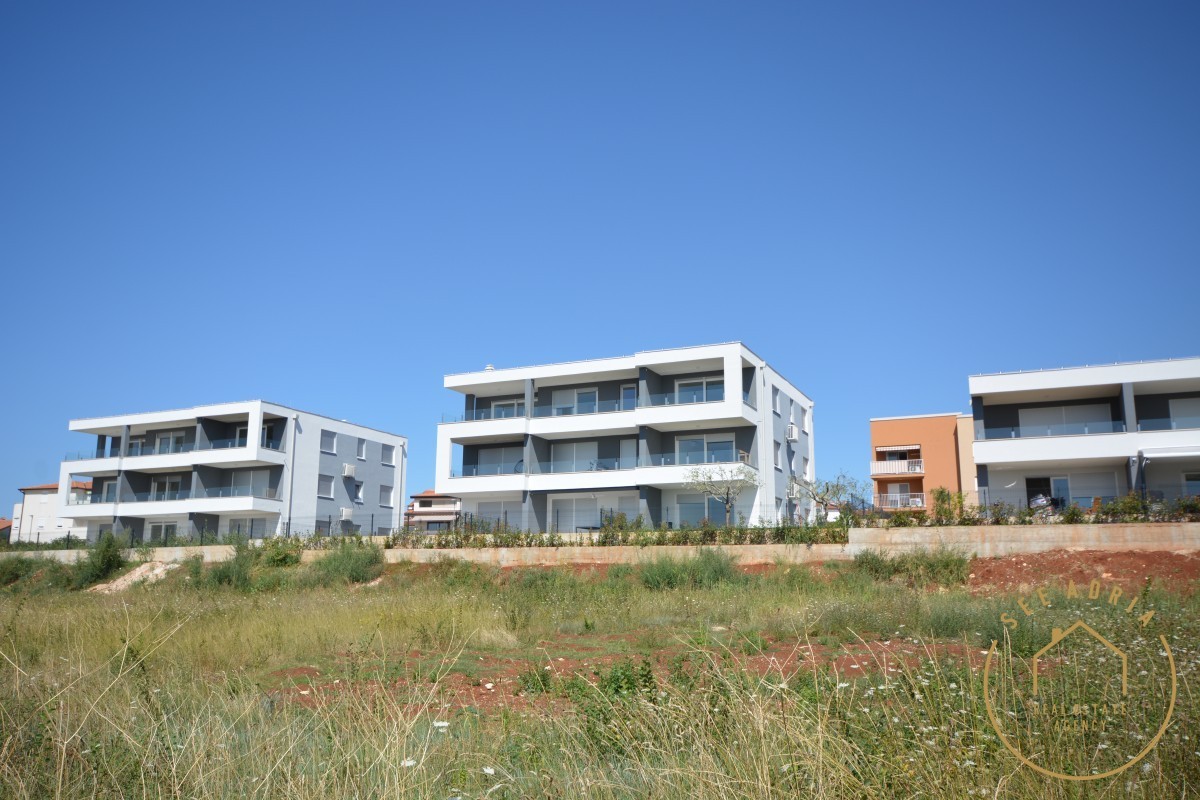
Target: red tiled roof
point(5, 522)
point(432, 493)
point(43, 487)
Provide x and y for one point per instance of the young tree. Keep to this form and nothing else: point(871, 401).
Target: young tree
point(825, 494)
point(725, 483)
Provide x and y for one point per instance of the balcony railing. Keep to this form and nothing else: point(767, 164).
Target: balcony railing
point(711, 394)
point(587, 465)
point(136, 450)
point(178, 494)
point(1169, 424)
point(574, 409)
point(897, 467)
point(898, 501)
point(480, 470)
point(1068, 429)
point(696, 460)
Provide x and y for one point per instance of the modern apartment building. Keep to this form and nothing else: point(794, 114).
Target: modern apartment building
point(429, 512)
point(37, 517)
point(252, 468)
point(1085, 435)
point(561, 446)
point(912, 456)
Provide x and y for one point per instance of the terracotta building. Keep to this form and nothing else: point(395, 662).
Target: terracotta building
point(912, 456)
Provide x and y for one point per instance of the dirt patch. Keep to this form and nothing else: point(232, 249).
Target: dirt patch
point(1178, 571)
point(149, 572)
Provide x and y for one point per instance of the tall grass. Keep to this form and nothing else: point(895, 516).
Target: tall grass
point(181, 690)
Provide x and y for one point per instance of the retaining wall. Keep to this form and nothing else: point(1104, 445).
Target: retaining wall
point(982, 541)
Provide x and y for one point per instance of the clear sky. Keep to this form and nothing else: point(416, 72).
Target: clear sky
point(332, 205)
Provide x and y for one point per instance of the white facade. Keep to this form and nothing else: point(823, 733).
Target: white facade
point(1086, 435)
point(563, 446)
point(252, 468)
point(36, 518)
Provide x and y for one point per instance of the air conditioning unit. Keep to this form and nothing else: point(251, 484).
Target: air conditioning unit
point(793, 491)
point(348, 470)
point(793, 432)
point(347, 514)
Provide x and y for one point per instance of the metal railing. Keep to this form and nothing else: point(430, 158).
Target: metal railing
point(1066, 429)
point(897, 467)
point(900, 500)
point(1169, 424)
point(179, 494)
point(713, 394)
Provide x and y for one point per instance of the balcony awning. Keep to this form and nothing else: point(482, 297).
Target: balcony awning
point(897, 447)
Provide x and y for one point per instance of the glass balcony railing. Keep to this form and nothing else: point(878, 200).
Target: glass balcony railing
point(477, 470)
point(138, 449)
point(1169, 424)
point(261, 492)
point(1067, 429)
point(89, 500)
point(714, 394)
point(695, 459)
point(597, 407)
point(587, 465)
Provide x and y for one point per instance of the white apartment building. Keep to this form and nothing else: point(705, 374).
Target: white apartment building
point(562, 446)
point(36, 518)
point(1085, 435)
point(252, 468)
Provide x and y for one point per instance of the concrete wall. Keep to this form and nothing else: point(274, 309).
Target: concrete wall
point(983, 542)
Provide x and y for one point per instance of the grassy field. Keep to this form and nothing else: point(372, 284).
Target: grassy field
point(662, 680)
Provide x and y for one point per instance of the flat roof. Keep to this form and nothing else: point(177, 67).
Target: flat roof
point(921, 416)
point(1086, 366)
point(234, 403)
point(604, 358)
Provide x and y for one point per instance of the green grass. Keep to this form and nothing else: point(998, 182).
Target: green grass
point(182, 689)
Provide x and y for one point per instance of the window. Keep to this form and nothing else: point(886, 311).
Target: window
point(711, 448)
point(385, 496)
point(803, 422)
point(629, 397)
point(498, 461)
point(358, 491)
point(322, 527)
point(325, 486)
point(162, 531)
point(700, 390)
point(383, 530)
point(170, 442)
point(574, 401)
point(503, 409)
point(574, 457)
point(437, 526)
point(362, 450)
point(329, 442)
point(267, 437)
point(775, 406)
point(778, 456)
point(137, 446)
point(1191, 484)
point(108, 492)
point(241, 435)
point(166, 487)
point(695, 508)
point(424, 504)
point(251, 527)
point(389, 455)
point(249, 483)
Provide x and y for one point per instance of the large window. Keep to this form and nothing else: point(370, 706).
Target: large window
point(574, 457)
point(502, 409)
point(1191, 484)
point(700, 390)
point(251, 483)
point(389, 455)
point(574, 401)
point(252, 527)
point(325, 486)
point(629, 397)
point(776, 405)
point(695, 508)
point(329, 442)
point(166, 487)
point(499, 461)
point(710, 448)
point(170, 442)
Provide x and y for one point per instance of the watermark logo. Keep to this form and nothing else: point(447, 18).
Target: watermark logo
point(1083, 685)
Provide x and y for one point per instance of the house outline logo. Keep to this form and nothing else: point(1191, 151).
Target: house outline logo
point(1059, 634)
point(1042, 600)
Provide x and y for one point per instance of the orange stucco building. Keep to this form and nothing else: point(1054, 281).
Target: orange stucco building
point(912, 456)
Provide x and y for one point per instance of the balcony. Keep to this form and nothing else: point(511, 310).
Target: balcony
point(137, 450)
point(900, 501)
point(1037, 431)
point(1169, 424)
point(479, 470)
point(712, 393)
point(599, 407)
point(162, 496)
point(913, 465)
point(589, 465)
point(694, 460)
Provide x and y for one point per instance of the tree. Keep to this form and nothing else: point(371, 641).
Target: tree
point(825, 494)
point(724, 483)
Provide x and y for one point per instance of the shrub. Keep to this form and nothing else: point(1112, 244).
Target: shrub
point(279, 551)
point(1072, 515)
point(941, 566)
point(349, 563)
point(235, 572)
point(102, 561)
point(707, 569)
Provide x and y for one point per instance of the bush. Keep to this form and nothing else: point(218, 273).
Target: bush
point(349, 563)
point(707, 569)
point(102, 561)
point(941, 566)
point(1072, 515)
point(235, 572)
point(279, 551)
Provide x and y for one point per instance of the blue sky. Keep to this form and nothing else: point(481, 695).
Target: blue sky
point(333, 205)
